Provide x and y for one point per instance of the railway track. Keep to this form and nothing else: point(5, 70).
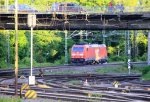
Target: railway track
point(60, 88)
point(26, 71)
point(70, 87)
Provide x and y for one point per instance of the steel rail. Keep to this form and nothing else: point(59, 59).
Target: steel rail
point(11, 71)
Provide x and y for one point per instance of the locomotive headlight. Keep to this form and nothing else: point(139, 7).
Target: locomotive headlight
point(81, 54)
point(73, 54)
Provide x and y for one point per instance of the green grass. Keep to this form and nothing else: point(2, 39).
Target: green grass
point(74, 82)
point(146, 73)
point(10, 100)
point(38, 65)
point(146, 76)
point(45, 64)
point(118, 69)
point(144, 70)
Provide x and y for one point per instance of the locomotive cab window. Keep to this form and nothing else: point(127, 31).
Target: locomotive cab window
point(61, 5)
point(70, 5)
point(78, 49)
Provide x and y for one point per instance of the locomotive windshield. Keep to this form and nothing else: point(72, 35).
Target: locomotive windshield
point(78, 49)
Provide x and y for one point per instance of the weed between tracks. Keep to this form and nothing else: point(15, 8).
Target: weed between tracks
point(74, 82)
point(96, 95)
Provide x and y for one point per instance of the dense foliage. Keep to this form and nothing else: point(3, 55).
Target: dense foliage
point(49, 46)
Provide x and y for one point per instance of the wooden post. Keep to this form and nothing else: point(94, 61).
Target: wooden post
point(16, 47)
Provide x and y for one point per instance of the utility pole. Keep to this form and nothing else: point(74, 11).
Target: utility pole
point(66, 52)
point(134, 46)
point(125, 44)
point(16, 47)
point(8, 48)
point(103, 33)
point(81, 36)
point(148, 48)
point(129, 52)
point(86, 34)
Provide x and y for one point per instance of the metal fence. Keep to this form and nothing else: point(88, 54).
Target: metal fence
point(85, 9)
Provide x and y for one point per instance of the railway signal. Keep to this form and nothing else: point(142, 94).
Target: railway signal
point(129, 66)
point(129, 52)
point(66, 44)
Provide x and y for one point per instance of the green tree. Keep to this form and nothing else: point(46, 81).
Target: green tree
point(142, 42)
point(45, 43)
point(3, 50)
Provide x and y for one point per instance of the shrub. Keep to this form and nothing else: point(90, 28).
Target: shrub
point(116, 58)
point(144, 57)
point(3, 64)
point(61, 61)
point(145, 70)
point(146, 76)
point(27, 61)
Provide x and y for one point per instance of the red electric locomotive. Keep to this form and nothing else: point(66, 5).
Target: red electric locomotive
point(89, 54)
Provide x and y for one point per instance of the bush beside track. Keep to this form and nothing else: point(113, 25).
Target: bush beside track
point(146, 73)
